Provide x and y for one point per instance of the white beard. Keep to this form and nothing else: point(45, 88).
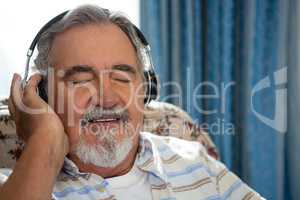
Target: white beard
point(108, 154)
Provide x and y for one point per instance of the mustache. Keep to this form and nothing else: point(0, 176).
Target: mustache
point(102, 113)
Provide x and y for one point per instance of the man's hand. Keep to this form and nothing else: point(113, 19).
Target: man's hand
point(31, 114)
point(47, 144)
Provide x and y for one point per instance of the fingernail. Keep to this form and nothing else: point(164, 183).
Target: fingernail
point(18, 77)
point(15, 77)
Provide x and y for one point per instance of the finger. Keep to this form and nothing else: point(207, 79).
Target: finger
point(11, 108)
point(15, 89)
point(12, 85)
point(32, 84)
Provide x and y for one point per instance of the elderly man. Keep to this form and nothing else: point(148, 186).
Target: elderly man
point(88, 145)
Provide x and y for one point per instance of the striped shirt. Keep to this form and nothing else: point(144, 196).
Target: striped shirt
point(176, 169)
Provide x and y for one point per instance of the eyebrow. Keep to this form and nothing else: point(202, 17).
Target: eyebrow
point(125, 68)
point(77, 69)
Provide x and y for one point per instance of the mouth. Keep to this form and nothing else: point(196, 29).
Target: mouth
point(102, 125)
point(99, 121)
point(104, 120)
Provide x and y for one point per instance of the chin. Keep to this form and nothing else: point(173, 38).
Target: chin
point(106, 152)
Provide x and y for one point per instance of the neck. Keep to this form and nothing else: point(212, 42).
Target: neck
point(119, 170)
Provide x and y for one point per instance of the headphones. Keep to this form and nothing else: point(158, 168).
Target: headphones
point(151, 81)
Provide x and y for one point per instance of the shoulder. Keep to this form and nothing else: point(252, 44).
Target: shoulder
point(186, 164)
point(182, 152)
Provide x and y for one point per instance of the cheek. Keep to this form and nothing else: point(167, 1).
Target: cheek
point(132, 94)
point(136, 107)
point(139, 97)
point(124, 91)
point(78, 98)
point(71, 104)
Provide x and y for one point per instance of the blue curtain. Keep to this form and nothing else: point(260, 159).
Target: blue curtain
point(227, 63)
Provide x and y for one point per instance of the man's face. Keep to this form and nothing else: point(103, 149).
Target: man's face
point(98, 91)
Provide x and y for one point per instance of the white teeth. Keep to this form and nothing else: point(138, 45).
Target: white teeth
point(104, 120)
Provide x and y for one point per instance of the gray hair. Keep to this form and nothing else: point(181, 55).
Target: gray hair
point(83, 15)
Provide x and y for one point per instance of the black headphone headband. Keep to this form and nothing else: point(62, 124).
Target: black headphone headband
point(44, 28)
point(149, 73)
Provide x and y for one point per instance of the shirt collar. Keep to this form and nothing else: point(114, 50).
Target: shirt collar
point(70, 168)
point(149, 158)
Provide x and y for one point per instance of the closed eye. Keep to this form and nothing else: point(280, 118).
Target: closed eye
point(121, 76)
point(76, 82)
point(122, 80)
point(80, 78)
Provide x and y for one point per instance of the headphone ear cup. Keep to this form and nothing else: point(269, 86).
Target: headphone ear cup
point(42, 90)
point(151, 86)
point(154, 86)
point(146, 76)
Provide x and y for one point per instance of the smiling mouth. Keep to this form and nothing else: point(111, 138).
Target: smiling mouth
point(99, 118)
point(104, 123)
point(104, 120)
point(101, 126)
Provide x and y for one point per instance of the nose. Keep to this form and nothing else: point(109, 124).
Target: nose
point(106, 95)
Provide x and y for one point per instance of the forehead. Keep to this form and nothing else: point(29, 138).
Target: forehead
point(99, 45)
